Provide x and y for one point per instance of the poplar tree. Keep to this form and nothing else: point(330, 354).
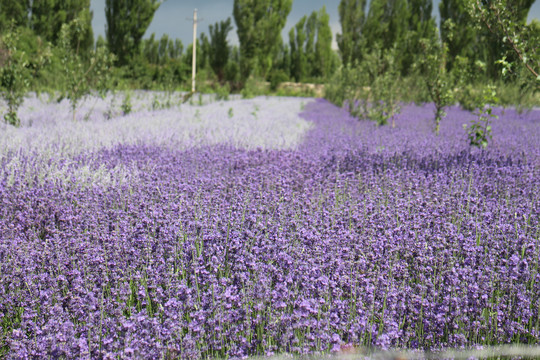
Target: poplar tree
point(311, 46)
point(297, 38)
point(48, 16)
point(420, 24)
point(16, 11)
point(324, 64)
point(163, 49)
point(187, 58)
point(510, 39)
point(352, 19)
point(458, 30)
point(385, 24)
point(259, 24)
point(150, 49)
point(127, 21)
point(219, 47)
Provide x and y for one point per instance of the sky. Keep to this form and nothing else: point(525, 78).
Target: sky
point(175, 17)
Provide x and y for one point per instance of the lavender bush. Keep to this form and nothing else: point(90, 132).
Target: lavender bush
point(240, 243)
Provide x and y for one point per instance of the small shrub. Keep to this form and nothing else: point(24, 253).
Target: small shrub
point(416, 89)
point(479, 131)
point(14, 80)
point(382, 99)
point(112, 106)
point(369, 89)
point(222, 92)
point(156, 104)
point(432, 66)
point(253, 87)
point(126, 103)
point(520, 92)
point(82, 76)
point(344, 86)
point(277, 77)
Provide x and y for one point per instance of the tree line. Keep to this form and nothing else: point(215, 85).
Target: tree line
point(481, 53)
point(160, 62)
point(382, 43)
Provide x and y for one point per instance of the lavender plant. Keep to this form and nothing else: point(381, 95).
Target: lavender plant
point(219, 248)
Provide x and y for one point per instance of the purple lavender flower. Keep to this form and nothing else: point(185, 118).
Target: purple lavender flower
point(132, 244)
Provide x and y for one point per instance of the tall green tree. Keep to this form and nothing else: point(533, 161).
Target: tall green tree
point(299, 61)
point(511, 40)
point(13, 74)
point(259, 24)
point(219, 47)
point(386, 24)
point(82, 75)
point(48, 16)
point(150, 49)
point(127, 21)
point(420, 25)
point(187, 58)
point(159, 52)
point(176, 50)
point(324, 55)
point(421, 19)
point(458, 30)
point(205, 49)
point(311, 47)
point(17, 11)
point(352, 18)
point(163, 49)
point(282, 66)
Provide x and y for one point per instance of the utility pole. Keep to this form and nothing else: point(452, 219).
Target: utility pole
point(194, 59)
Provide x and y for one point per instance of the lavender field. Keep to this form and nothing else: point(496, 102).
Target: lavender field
point(264, 226)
